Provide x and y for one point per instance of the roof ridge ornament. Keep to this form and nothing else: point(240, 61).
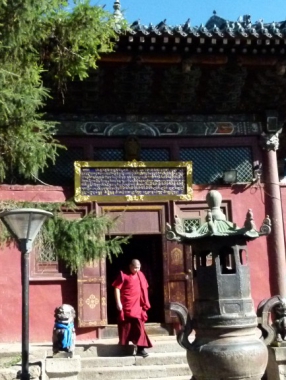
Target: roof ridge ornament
point(260, 27)
point(189, 29)
point(204, 30)
point(274, 28)
point(163, 27)
point(137, 27)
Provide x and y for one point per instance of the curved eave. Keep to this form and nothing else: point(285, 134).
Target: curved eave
point(217, 36)
point(201, 42)
point(241, 233)
point(247, 235)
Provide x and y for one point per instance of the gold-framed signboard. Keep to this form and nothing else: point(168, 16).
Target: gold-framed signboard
point(121, 181)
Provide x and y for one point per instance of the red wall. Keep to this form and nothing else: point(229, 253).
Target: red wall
point(45, 296)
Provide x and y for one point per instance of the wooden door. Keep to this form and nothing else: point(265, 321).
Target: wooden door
point(92, 307)
point(178, 277)
point(91, 284)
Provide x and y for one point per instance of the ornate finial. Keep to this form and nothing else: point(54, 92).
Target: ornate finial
point(249, 222)
point(214, 13)
point(117, 12)
point(214, 199)
point(265, 229)
point(270, 141)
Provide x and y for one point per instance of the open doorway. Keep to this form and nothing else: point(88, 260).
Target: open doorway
point(147, 249)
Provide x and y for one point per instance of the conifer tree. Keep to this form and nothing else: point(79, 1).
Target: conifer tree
point(37, 36)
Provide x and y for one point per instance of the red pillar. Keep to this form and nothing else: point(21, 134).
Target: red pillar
point(276, 242)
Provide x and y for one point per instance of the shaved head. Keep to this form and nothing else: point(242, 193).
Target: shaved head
point(135, 263)
point(135, 266)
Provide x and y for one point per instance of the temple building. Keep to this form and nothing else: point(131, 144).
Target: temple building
point(212, 97)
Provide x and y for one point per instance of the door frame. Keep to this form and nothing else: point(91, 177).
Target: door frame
point(161, 209)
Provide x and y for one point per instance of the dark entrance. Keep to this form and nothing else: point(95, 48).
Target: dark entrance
point(147, 249)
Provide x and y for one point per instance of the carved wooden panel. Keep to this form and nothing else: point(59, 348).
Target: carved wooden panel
point(178, 277)
point(137, 219)
point(92, 308)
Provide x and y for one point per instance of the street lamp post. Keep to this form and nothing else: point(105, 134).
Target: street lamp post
point(24, 225)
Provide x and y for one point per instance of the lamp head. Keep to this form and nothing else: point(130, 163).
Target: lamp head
point(229, 176)
point(24, 224)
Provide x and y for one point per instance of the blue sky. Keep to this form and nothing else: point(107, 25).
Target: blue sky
point(199, 11)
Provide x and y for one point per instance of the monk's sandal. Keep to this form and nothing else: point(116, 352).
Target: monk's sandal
point(142, 352)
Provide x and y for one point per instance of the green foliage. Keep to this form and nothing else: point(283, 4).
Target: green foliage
point(43, 38)
point(77, 38)
point(76, 242)
point(26, 141)
point(81, 241)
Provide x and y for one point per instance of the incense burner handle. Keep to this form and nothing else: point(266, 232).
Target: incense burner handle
point(272, 331)
point(185, 321)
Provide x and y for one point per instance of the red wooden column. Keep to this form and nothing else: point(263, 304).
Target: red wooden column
point(276, 242)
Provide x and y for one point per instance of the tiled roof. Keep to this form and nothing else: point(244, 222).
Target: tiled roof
point(216, 27)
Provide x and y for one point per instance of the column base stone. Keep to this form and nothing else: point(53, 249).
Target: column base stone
point(276, 367)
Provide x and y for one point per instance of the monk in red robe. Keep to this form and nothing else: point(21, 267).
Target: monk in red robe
point(131, 296)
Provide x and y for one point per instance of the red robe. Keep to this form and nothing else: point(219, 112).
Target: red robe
point(135, 303)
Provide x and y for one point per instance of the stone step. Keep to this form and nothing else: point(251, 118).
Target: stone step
point(153, 359)
point(110, 347)
point(111, 331)
point(135, 372)
point(98, 347)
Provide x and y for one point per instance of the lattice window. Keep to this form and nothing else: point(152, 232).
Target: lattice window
point(191, 224)
point(44, 264)
point(44, 253)
point(62, 173)
point(210, 163)
point(108, 154)
point(46, 256)
point(148, 154)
